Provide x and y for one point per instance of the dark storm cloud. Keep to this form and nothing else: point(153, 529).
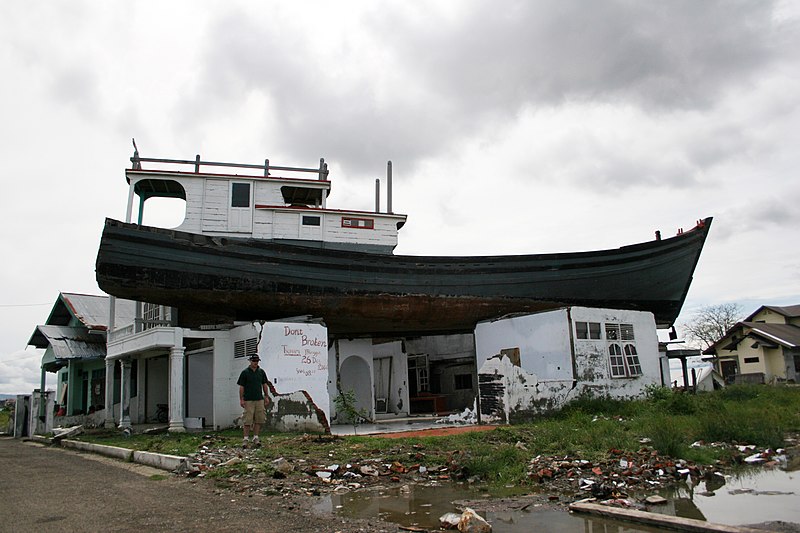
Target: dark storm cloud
point(451, 77)
point(657, 54)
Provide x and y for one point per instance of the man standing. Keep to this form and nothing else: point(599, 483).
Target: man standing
point(253, 398)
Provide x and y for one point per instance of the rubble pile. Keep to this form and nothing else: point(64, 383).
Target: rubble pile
point(642, 471)
point(568, 476)
point(250, 469)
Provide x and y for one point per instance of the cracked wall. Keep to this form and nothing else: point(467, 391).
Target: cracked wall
point(553, 367)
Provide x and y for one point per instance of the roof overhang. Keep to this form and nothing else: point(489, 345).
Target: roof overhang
point(67, 343)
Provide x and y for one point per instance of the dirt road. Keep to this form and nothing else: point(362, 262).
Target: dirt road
point(51, 489)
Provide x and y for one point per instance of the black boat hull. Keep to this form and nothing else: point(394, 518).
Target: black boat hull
point(219, 278)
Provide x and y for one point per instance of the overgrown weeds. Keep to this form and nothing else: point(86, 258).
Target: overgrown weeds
point(669, 422)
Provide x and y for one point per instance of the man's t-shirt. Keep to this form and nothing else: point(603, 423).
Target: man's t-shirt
point(253, 382)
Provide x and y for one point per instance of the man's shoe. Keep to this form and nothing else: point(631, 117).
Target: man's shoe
point(256, 441)
point(246, 443)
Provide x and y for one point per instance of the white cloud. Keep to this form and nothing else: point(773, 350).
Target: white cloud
point(514, 127)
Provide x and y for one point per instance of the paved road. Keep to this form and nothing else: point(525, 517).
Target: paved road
point(44, 488)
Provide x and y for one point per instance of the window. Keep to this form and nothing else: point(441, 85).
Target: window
point(751, 359)
point(622, 355)
point(245, 347)
point(463, 381)
point(587, 330)
point(359, 223)
point(310, 221)
point(240, 195)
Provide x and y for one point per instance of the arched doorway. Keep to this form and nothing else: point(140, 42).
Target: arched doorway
point(355, 375)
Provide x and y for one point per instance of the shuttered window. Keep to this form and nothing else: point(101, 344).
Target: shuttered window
point(245, 347)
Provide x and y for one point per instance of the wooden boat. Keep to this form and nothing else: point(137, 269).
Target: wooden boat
point(211, 278)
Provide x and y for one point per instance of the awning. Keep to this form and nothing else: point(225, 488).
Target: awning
point(71, 343)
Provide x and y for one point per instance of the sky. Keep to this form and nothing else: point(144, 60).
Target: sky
point(512, 126)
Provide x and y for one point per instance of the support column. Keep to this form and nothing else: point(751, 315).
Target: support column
point(125, 394)
point(109, 422)
point(176, 386)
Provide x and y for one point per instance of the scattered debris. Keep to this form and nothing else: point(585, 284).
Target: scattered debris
point(64, 433)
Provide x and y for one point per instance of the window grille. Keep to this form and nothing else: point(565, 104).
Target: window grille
point(245, 347)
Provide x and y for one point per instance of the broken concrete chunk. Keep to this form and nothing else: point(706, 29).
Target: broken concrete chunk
point(282, 465)
point(655, 499)
point(369, 471)
point(449, 520)
point(472, 522)
point(63, 433)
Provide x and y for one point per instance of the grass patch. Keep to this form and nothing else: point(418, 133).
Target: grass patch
point(590, 429)
point(5, 417)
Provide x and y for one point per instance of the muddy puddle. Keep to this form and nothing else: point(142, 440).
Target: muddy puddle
point(747, 498)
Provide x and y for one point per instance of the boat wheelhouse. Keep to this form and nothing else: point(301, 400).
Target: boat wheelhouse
point(284, 204)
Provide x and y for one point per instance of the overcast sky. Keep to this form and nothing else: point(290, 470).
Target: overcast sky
point(513, 127)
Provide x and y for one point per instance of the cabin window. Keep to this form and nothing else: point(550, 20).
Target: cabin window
point(463, 381)
point(311, 221)
point(240, 195)
point(587, 330)
point(623, 357)
point(245, 347)
point(359, 223)
point(751, 359)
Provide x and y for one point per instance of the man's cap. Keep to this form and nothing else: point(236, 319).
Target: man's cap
point(254, 357)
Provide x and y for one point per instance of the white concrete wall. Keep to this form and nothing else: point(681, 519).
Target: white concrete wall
point(591, 357)
point(295, 358)
point(543, 340)
point(555, 366)
point(226, 371)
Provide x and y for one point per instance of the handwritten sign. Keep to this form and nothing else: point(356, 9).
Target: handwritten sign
point(295, 357)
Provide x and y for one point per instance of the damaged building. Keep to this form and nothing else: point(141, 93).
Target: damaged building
point(261, 264)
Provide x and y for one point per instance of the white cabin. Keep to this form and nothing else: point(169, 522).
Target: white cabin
point(269, 207)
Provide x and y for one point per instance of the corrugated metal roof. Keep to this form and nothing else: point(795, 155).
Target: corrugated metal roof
point(93, 311)
point(71, 343)
point(90, 310)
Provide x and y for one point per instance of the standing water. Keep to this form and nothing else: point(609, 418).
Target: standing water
point(751, 497)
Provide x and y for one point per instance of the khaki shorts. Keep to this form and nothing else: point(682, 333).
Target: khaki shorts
point(254, 411)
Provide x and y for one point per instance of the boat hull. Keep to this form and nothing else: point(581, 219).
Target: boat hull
point(218, 278)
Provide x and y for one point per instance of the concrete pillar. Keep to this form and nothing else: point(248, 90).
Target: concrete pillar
point(176, 387)
point(109, 423)
point(42, 403)
point(125, 394)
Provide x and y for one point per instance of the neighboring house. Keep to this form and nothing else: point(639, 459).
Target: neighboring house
point(532, 364)
point(763, 348)
point(74, 340)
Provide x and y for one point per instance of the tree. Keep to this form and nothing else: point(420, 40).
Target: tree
point(711, 323)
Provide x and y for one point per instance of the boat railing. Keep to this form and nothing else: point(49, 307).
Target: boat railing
point(322, 171)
